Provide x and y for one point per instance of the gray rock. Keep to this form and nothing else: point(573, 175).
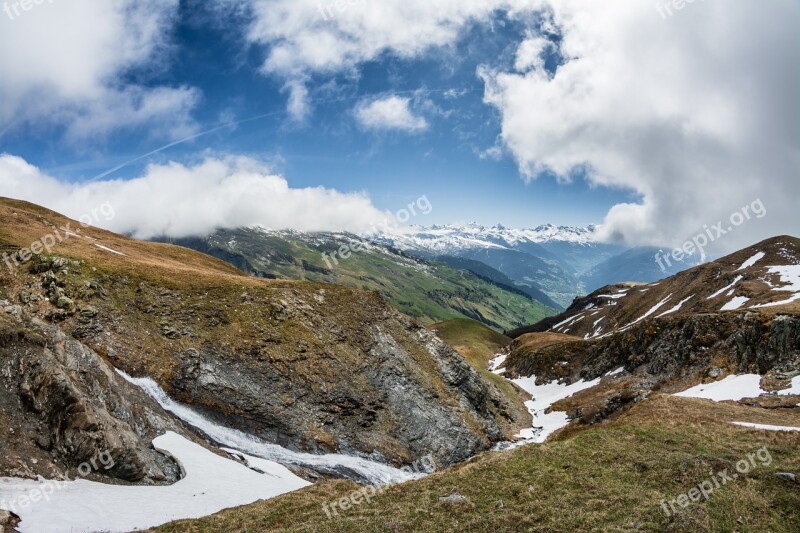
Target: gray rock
point(787, 476)
point(65, 303)
point(67, 401)
point(88, 311)
point(13, 310)
point(8, 521)
point(454, 499)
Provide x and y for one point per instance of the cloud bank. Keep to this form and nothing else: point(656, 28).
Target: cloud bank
point(696, 112)
point(177, 201)
point(66, 63)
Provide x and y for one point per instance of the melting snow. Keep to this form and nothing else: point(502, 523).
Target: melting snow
point(616, 372)
point(790, 277)
point(736, 303)
point(108, 249)
point(752, 261)
point(211, 484)
point(495, 365)
point(652, 310)
point(376, 473)
point(676, 308)
point(568, 322)
point(793, 389)
point(544, 396)
point(766, 427)
point(614, 296)
point(726, 288)
point(732, 388)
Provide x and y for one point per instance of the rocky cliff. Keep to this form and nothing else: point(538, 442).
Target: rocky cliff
point(310, 366)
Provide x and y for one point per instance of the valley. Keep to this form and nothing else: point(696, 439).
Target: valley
point(340, 390)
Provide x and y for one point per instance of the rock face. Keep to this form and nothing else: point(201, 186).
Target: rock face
point(666, 348)
point(63, 407)
point(8, 522)
point(387, 406)
point(310, 366)
point(666, 354)
point(738, 314)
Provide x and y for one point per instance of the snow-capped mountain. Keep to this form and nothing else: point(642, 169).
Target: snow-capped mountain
point(561, 261)
point(449, 238)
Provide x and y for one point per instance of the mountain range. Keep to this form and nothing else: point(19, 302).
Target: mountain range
point(561, 261)
point(426, 289)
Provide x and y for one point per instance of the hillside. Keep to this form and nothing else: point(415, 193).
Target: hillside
point(627, 341)
point(639, 416)
point(762, 278)
point(428, 291)
point(614, 477)
point(313, 367)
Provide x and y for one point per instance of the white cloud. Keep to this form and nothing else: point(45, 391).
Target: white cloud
point(305, 37)
point(389, 113)
point(530, 54)
point(176, 200)
point(697, 113)
point(64, 62)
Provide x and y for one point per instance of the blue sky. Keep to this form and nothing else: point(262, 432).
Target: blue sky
point(518, 112)
point(329, 147)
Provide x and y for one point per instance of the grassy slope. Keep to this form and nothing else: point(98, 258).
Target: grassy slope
point(431, 293)
point(611, 477)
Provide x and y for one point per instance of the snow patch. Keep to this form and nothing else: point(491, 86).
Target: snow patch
point(543, 397)
point(496, 364)
point(790, 277)
point(732, 388)
point(726, 288)
point(676, 308)
point(794, 388)
point(375, 473)
point(736, 303)
point(652, 310)
point(752, 261)
point(108, 249)
point(211, 484)
point(766, 427)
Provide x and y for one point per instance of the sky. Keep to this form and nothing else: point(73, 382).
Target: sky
point(652, 120)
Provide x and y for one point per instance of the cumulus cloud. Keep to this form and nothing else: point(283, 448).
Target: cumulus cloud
point(389, 113)
point(697, 113)
point(65, 63)
point(176, 200)
point(306, 37)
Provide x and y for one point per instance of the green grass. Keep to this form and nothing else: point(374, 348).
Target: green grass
point(611, 477)
point(431, 293)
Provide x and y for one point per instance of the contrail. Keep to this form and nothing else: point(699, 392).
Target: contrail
point(251, 119)
point(181, 141)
